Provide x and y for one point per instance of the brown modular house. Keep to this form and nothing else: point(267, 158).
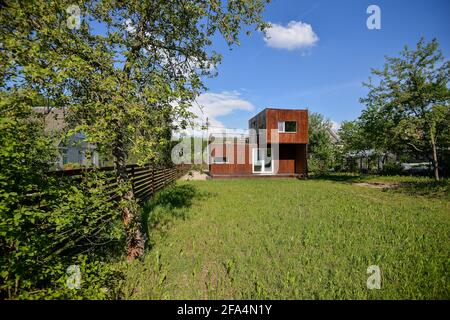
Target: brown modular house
point(275, 147)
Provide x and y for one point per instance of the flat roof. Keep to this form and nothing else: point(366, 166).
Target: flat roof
point(269, 108)
point(286, 109)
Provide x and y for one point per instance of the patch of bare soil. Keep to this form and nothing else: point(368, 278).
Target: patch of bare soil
point(195, 175)
point(377, 185)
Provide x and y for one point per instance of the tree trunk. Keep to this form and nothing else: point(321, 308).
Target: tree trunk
point(130, 211)
point(435, 158)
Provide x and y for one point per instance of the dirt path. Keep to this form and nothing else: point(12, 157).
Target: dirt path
point(194, 175)
point(377, 185)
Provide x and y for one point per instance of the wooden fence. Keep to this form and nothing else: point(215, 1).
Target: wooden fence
point(145, 180)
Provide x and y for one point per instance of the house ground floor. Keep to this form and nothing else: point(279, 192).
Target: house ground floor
point(231, 160)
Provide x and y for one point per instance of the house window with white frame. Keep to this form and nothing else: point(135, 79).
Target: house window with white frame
point(287, 126)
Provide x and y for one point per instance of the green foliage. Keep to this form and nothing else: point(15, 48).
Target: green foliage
point(70, 166)
point(353, 137)
point(129, 86)
point(392, 168)
point(408, 107)
point(98, 280)
point(47, 222)
point(356, 143)
point(321, 149)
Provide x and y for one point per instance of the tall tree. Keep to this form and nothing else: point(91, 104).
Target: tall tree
point(321, 149)
point(126, 82)
point(409, 96)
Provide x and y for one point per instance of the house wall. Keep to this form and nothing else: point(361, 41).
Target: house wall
point(258, 121)
point(292, 159)
point(231, 151)
point(73, 151)
point(287, 158)
point(273, 116)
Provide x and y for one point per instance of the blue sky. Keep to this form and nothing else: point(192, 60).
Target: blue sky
point(325, 74)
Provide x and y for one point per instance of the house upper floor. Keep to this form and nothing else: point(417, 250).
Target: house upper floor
point(282, 125)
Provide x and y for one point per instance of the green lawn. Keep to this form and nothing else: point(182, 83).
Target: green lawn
point(293, 239)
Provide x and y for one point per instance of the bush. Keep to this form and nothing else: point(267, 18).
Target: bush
point(392, 168)
point(318, 166)
point(48, 223)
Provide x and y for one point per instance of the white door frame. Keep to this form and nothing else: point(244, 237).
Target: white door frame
point(263, 163)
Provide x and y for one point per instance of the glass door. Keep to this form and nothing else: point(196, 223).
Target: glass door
point(262, 160)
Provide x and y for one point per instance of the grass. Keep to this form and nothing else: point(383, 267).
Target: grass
point(292, 239)
point(411, 185)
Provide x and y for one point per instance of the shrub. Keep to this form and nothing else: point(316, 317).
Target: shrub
point(392, 168)
point(48, 223)
point(317, 165)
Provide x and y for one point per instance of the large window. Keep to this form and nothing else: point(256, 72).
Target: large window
point(287, 126)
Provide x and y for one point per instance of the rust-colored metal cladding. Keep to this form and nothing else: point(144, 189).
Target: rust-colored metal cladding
point(282, 155)
point(231, 158)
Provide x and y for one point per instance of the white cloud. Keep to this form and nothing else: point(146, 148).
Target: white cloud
point(214, 105)
point(296, 35)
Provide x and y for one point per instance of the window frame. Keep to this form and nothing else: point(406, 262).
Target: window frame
point(284, 126)
point(262, 162)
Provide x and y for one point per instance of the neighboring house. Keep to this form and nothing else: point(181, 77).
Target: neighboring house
point(276, 146)
point(74, 149)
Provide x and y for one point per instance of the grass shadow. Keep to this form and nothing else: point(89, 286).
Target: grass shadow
point(410, 185)
point(431, 189)
point(168, 205)
point(349, 178)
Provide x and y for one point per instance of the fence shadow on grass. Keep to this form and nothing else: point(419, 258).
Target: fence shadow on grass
point(168, 205)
